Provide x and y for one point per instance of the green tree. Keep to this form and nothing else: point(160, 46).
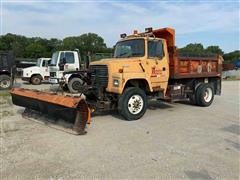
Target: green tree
point(35, 50)
point(89, 42)
point(214, 50)
point(71, 43)
point(230, 57)
point(92, 43)
point(192, 49)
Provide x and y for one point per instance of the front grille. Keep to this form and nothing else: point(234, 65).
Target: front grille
point(52, 74)
point(99, 75)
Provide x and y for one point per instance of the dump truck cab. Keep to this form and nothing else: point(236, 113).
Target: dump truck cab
point(140, 60)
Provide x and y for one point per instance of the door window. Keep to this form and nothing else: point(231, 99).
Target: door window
point(155, 49)
point(44, 64)
point(69, 57)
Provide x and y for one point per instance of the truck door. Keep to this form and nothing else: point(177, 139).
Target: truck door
point(157, 65)
point(44, 68)
point(70, 61)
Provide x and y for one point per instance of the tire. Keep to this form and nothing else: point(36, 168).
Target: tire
point(75, 85)
point(5, 82)
point(36, 79)
point(204, 95)
point(130, 97)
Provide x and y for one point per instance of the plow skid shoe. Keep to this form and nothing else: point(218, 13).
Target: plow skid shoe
point(71, 109)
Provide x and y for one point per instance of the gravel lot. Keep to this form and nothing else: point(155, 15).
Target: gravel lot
point(172, 141)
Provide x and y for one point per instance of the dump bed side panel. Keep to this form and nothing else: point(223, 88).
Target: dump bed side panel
point(195, 67)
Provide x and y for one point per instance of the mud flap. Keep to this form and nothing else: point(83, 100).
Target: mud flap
point(71, 109)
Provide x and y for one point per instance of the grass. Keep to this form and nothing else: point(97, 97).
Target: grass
point(5, 99)
point(4, 93)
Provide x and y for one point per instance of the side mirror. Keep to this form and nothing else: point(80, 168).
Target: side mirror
point(63, 61)
point(61, 67)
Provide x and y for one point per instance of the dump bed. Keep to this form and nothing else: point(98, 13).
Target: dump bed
point(195, 67)
point(188, 67)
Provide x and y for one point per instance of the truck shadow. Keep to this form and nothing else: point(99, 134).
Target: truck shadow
point(152, 105)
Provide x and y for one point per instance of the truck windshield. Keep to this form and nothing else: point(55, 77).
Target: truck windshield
point(39, 62)
point(129, 48)
point(54, 59)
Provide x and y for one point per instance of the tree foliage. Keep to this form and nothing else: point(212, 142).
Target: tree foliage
point(214, 50)
point(198, 49)
point(36, 47)
point(232, 56)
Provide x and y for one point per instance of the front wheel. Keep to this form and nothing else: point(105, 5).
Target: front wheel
point(204, 95)
point(36, 80)
point(132, 104)
point(75, 85)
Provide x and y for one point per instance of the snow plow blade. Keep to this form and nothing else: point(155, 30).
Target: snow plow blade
point(71, 109)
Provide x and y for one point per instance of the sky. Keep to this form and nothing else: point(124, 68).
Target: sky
point(213, 22)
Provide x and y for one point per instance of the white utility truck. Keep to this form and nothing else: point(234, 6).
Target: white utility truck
point(36, 74)
point(63, 61)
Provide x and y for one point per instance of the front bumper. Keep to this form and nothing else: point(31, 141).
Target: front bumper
point(53, 80)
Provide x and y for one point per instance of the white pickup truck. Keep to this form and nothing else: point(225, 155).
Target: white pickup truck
point(36, 74)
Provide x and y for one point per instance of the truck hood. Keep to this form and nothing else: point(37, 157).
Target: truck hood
point(115, 61)
point(32, 68)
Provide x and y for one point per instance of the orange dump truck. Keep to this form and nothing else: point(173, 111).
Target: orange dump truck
point(145, 66)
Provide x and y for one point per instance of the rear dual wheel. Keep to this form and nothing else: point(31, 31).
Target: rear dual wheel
point(132, 103)
point(204, 95)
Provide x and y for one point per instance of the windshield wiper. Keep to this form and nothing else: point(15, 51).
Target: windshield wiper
point(120, 55)
point(136, 54)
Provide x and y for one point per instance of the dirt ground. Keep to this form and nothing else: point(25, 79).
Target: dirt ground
point(172, 141)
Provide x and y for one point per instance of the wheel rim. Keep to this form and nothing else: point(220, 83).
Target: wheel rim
point(76, 85)
point(5, 83)
point(135, 104)
point(208, 94)
point(36, 80)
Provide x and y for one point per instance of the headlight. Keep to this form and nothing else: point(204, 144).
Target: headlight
point(116, 82)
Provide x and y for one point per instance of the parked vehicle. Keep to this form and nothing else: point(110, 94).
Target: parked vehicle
point(145, 66)
point(36, 74)
point(237, 63)
point(7, 61)
point(25, 63)
point(63, 61)
point(72, 80)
